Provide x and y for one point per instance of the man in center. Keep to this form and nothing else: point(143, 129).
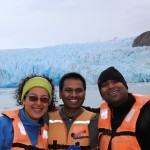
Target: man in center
point(72, 125)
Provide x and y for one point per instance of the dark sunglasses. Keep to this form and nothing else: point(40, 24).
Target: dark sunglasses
point(34, 98)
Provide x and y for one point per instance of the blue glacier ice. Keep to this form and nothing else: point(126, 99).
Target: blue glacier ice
point(89, 59)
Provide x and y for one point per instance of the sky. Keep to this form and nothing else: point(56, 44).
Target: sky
point(43, 23)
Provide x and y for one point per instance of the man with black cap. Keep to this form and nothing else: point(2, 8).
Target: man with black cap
point(124, 121)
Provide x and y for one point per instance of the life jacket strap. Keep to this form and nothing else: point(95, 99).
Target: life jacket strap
point(58, 146)
point(26, 147)
point(114, 133)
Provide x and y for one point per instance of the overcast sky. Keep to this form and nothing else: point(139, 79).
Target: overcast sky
point(41, 23)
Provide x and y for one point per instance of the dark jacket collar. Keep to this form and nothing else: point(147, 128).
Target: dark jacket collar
point(125, 107)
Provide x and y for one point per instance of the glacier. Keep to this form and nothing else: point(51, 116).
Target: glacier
point(88, 59)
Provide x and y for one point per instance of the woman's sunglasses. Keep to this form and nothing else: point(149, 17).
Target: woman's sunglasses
point(34, 98)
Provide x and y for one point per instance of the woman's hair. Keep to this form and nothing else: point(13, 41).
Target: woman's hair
point(19, 90)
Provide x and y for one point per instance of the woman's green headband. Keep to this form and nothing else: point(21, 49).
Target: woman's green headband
point(37, 82)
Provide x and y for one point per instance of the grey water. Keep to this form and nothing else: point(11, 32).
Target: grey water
point(93, 98)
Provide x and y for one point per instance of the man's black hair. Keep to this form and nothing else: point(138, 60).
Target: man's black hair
point(71, 75)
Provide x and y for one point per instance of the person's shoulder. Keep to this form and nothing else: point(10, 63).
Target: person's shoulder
point(95, 110)
point(94, 116)
point(6, 132)
point(5, 121)
point(146, 106)
point(145, 110)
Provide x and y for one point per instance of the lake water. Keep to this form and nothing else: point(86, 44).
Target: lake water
point(93, 98)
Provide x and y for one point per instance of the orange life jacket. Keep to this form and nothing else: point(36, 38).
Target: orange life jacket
point(21, 139)
point(124, 137)
point(78, 132)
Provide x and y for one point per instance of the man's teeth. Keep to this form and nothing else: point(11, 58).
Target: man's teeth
point(114, 92)
point(37, 108)
point(73, 100)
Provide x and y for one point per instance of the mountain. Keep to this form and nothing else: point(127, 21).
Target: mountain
point(89, 59)
point(142, 40)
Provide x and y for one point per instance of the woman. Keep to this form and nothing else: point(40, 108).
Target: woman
point(25, 128)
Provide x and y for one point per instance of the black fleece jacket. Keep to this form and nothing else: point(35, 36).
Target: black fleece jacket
point(142, 125)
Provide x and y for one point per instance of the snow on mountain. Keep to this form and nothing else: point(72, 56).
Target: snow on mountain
point(89, 59)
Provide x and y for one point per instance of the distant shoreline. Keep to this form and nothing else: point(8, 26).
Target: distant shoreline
point(93, 97)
